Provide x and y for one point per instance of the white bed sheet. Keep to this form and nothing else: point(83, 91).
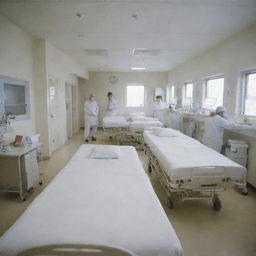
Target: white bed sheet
point(141, 126)
point(180, 156)
point(97, 201)
point(115, 122)
point(143, 119)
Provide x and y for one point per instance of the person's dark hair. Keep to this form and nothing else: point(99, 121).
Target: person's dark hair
point(110, 93)
point(159, 97)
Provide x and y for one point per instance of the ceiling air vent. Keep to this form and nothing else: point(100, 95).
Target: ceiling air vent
point(96, 52)
point(146, 52)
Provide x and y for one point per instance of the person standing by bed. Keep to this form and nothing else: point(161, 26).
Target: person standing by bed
point(111, 105)
point(91, 111)
point(159, 109)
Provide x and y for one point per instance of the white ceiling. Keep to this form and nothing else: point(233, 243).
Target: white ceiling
point(180, 29)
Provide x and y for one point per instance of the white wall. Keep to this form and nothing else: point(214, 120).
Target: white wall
point(229, 58)
point(99, 85)
point(27, 58)
point(61, 67)
point(16, 61)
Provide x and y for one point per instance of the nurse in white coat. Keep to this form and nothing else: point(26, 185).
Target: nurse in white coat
point(91, 112)
point(111, 105)
point(214, 129)
point(159, 109)
point(158, 103)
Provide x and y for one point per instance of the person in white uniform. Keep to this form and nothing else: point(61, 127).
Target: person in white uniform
point(159, 108)
point(214, 129)
point(158, 103)
point(91, 112)
point(111, 105)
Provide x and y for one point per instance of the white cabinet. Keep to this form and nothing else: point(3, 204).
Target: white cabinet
point(19, 170)
point(251, 141)
point(31, 169)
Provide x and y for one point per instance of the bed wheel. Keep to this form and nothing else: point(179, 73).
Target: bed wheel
point(170, 203)
point(216, 204)
point(149, 168)
point(22, 199)
point(40, 182)
point(245, 191)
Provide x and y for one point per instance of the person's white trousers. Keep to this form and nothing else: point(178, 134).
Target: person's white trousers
point(91, 122)
point(87, 131)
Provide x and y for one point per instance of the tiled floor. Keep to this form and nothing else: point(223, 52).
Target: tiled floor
point(202, 231)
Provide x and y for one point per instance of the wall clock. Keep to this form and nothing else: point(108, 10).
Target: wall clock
point(113, 79)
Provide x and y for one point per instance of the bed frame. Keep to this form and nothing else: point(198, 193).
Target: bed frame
point(197, 187)
point(124, 136)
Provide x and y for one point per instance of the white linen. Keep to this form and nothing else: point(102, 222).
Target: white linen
point(105, 152)
point(143, 119)
point(141, 126)
point(181, 156)
point(97, 201)
point(115, 122)
point(136, 113)
point(165, 132)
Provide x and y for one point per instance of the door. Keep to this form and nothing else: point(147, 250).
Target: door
point(53, 90)
point(74, 110)
point(68, 93)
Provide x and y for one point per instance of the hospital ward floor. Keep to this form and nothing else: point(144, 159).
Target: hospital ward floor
point(201, 230)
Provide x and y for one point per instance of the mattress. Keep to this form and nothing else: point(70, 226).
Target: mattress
point(109, 202)
point(143, 118)
point(182, 156)
point(136, 114)
point(115, 122)
point(143, 125)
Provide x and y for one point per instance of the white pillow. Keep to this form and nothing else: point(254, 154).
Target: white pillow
point(105, 152)
point(165, 132)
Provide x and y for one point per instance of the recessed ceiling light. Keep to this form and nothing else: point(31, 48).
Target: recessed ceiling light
point(138, 68)
point(79, 15)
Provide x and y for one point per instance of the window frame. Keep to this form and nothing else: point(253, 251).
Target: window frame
point(245, 75)
point(206, 87)
point(171, 98)
point(126, 95)
point(185, 90)
point(19, 82)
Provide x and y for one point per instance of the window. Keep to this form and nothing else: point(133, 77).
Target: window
point(14, 98)
point(250, 94)
point(170, 94)
point(135, 96)
point(188, 90)
point(214, 92)
point(188, 93)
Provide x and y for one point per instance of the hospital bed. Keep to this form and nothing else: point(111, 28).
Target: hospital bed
point(118, 128)
point(189, 169)
point(105, 202)
point(128, 132)
point(138, 126)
